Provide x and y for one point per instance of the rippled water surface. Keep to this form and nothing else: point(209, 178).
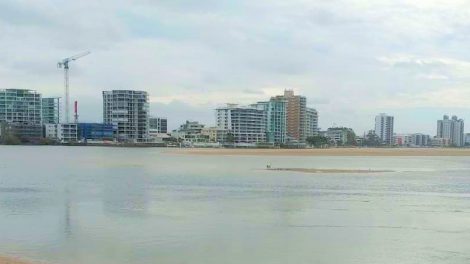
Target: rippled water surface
point(115, 205)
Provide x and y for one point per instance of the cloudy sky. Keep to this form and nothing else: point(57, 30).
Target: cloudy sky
point(351, 58)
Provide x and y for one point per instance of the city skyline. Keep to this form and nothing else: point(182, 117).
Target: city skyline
point(343, 57)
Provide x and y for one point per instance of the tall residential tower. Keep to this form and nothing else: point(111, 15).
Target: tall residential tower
point(276, 119)
point(296, 111)
point(451, 129)
point(384, 128)
point(311, 122)
point(128, 111)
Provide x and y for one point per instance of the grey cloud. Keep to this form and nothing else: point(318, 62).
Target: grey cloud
point(253, 91)
point(326, 50)
point(15, 13)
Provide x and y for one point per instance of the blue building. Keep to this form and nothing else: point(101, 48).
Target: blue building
point(95, 132)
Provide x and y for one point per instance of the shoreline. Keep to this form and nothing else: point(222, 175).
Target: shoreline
point(314, 171)
point(14, 260)
point(364, 152)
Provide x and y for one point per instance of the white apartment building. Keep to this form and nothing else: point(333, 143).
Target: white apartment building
point(384, 128)
point(190, 132)
point(247, 124)
point(64, 133)
point(311, 119)
point(128, 111)
point(452, 129)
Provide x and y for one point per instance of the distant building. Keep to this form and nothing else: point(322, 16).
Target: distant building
point(216, 134)
point(63, 133)
point(296, 115)
point(411, 140)
point(191, 132)
point(128, 111)
point(311, 125)
point(158, 125)
point(452, 129)
point(440, 142)
point(467, 139)
point(51, 110)
point(20, 114)
point(339, 135)
point(50, 131)
point(94, 132)
point(247, 124)
point(403, 140)
point(276, 119)
point(67, 133)
point(384, 128)
point(420, 140)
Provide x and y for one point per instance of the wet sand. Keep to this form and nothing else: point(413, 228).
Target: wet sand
point(11, 260)
point(305, 170)
point(327, 152)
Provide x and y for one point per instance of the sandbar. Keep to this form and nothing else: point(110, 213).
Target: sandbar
point(313, 170)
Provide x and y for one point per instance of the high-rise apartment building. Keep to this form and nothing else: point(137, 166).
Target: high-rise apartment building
point(247, 124)
point(451, 129)
point(20, 113)
point(296, 111)
point(311, 122)
point(276, 119)
point(128, 111)
point(51, 110)
point(158, 124)
point(384, 128)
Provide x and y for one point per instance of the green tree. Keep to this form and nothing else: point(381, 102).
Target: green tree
point(11, 139)
point(371, 140)
point(317, 141)
point(351, 138)
point(230, 138)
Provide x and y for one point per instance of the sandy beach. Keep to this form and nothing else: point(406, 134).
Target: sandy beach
point(11, 260)
point(327, 152)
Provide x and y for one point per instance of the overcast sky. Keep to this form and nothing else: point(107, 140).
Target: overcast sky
point(352, 59)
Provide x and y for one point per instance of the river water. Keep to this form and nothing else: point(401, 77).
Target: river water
point(127, 205)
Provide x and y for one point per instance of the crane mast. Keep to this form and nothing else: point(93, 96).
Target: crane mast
point(65, 64)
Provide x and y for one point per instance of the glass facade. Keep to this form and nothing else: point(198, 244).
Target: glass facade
point(20, 111)
point(50, 110)
point(95, 131)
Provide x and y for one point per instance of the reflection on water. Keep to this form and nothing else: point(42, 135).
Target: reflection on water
point(125, 193)
point(106, 205)
point(67, 217)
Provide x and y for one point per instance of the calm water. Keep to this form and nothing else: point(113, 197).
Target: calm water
point(111, 205)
